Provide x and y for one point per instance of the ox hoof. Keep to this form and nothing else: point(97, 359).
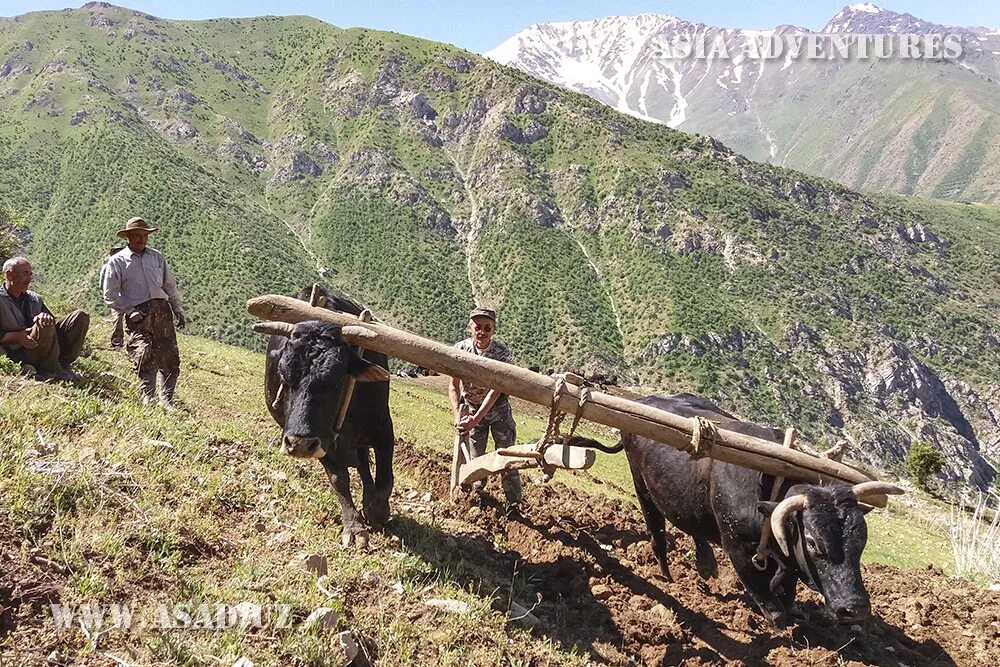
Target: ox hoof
point(377, 515)
point(354, 537)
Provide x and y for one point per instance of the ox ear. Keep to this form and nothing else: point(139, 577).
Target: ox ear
point(765, 507)
point(365, 371)
point(865, 509)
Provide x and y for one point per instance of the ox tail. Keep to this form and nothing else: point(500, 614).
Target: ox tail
point(577, 441)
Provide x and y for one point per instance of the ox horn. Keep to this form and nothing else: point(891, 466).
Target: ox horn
point(780, 513)
point(356, 334)
point(866, 491)
point(274, 328)
point(836, 453)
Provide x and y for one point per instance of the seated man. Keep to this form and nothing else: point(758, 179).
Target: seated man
point(28, 331)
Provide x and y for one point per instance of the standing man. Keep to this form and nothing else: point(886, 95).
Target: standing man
point(28, 331)
point(138, 285)
point(118, 334)
point(478, 410)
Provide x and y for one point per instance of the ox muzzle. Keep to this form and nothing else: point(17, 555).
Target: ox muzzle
point(302, 447)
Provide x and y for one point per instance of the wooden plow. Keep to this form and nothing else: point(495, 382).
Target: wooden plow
point(548, 453)
point(697, 436)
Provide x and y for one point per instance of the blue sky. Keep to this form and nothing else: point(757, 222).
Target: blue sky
point(482, 25)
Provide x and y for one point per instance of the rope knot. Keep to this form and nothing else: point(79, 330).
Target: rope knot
point(704, 433)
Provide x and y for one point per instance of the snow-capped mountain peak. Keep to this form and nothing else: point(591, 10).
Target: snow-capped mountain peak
point(871, 19)
point(777, 94)
point(599, 57)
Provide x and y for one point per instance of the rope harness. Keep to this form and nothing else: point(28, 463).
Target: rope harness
point(759, 559)
point(704, 433)
point(552, 433)
point(345, 402)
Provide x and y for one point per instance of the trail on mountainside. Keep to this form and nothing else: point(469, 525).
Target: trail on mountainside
point(291, 228)
point(605, 286)
point(473, 223)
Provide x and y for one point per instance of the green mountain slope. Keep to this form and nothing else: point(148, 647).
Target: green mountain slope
point(274, 152)
point(913, 128)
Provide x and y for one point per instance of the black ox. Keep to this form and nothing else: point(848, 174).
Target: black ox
point(818, 532)
point(306, 374)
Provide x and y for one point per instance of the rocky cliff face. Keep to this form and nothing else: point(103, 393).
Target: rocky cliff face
point(887, 399)
point(880, 398)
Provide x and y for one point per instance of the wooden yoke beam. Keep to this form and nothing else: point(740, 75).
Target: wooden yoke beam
point(625, 415)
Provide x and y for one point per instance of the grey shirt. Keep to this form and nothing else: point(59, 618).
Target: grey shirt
point(475, 394)
point(19, 314)
point(134, 278)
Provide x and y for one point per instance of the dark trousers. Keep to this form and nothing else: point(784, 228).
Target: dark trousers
point(59, 345)
point(500, 422)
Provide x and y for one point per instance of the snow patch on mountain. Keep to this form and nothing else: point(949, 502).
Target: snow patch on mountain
point(633, 64)
point(678, 114)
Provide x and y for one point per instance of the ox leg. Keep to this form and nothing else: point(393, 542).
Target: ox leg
point(355, 530)
point(704, 557)
point(784, 584)
point(655, 523)
point(757, 584)
point(367, 486)
point(376, 492)
point(384, 478)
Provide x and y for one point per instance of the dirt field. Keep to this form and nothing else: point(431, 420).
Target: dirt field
point(584, 566)
point(588, 563)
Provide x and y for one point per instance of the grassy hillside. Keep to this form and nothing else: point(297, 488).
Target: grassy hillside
point(421, 179)
point(106, 502)
point(911, 128)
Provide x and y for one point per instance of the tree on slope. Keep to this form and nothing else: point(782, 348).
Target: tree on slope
point(923, 462)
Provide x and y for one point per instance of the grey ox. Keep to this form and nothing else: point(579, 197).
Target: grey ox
point(306, 375)
point(819, 532)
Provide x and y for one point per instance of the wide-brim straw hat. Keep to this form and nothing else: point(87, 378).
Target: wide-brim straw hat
point(135, 224)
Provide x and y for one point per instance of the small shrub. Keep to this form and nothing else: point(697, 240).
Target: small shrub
point(922, 462)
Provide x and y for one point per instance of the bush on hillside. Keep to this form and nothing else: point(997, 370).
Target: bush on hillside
point(922, 462)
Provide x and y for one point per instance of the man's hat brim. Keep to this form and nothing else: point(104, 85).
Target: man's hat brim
point(123, 233)
point(483, 312)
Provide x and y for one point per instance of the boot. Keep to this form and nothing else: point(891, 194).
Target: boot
point(168, 383)
point(147, 385)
